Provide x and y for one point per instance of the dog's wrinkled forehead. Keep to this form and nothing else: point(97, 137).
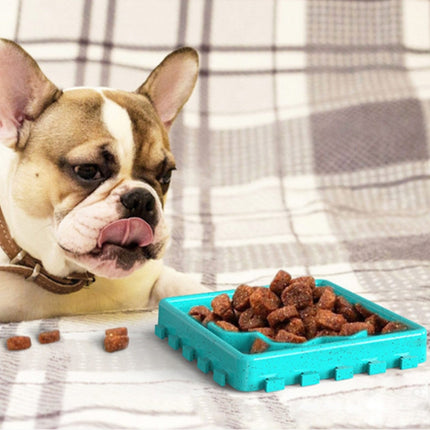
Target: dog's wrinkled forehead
point(105, 126)
point(149, 137)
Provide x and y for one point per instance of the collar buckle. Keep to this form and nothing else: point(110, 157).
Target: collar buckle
point(18, 257)
point(31, 269)
point(35, 274)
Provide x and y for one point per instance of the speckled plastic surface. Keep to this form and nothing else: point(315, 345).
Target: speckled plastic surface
point(225, 354)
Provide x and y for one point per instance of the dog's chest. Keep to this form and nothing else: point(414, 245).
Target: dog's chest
point(24, 300)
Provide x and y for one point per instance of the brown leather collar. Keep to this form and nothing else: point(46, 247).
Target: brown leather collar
point(32, 270)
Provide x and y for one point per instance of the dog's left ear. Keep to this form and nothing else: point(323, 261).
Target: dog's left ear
point(170, 85)
point(24, 93)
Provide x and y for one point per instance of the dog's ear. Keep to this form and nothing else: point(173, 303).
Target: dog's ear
point(170, 84)
point(24, 93)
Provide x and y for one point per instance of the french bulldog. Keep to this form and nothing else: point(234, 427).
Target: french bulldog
point(84, 174)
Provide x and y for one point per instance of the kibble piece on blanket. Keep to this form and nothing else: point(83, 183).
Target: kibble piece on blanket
point(117, 331)
point(116, 343)
point(17, 343)
point(49, 336)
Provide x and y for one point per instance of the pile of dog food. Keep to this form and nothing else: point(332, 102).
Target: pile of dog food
point(291, 310)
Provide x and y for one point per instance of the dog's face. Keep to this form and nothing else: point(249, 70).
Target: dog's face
point(96, 162)
point(104, 186)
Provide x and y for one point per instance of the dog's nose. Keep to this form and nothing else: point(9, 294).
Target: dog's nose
point(140, 203)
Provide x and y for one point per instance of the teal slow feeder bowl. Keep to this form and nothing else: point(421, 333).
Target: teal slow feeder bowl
point(226, 354)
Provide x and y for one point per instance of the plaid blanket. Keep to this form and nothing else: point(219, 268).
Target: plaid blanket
point(304, 147)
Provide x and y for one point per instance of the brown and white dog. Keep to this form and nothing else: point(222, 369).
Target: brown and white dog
point(84, 174)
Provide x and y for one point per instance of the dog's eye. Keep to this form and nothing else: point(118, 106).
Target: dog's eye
point(88, 172)
point(165, 179)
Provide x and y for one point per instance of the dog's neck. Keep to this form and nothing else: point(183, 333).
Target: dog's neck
point(24, 265)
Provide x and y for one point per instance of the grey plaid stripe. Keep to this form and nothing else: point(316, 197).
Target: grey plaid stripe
point(229, 147)
point(51, 396)
point(9, 365)
point(344, 139)
point(9, 368)
point(355, 23)
point(80, 67)
point(209, 262)
point(247, 258)
point(279, 166)
point(179, 141)
point(18, 20)
point(259, 146)
point(107, 50)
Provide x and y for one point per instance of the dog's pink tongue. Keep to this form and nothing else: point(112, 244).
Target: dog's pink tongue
point(126, 231)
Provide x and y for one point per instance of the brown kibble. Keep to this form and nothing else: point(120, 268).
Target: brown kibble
point(308, 280)
point(221, 306)
point(241, 296)
point(370, 328)
point(342, 306)
point(210, 318)
point(263, 301)
point(280, 315)
point(199, 312)
point(382, 322)
point(114, 343)
point(285, 336)
point(117, 331)
point(237, 314)
point(308, 312)
point(17, 343)
point(327, 298)
point(259, 345)
point(326, 332)
point(292, 310)
point(308, 317)
point(317, 293)
point(374, 324)
point(226, 326)
point(311, 328)
point(49, 336)
point(280, 282)
point(351, 328)
point(296, 326)
point(298, 294)
point(267, 331)
point(329, 320)
point(377, 322)
point(393, 326)
point(249, 319)
point(365, 313)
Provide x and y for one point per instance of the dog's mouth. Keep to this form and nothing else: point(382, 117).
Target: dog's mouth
point(126, 241)
point(126, 233)
point(122, 246)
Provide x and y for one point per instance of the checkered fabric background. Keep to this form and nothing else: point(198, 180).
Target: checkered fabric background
point(305, 147)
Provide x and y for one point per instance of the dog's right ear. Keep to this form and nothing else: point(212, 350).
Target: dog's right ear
point(24, 93)
point(170, 84)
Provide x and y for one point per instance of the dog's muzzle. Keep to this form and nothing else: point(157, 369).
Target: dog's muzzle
point(140, 203)
point(137, 227)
